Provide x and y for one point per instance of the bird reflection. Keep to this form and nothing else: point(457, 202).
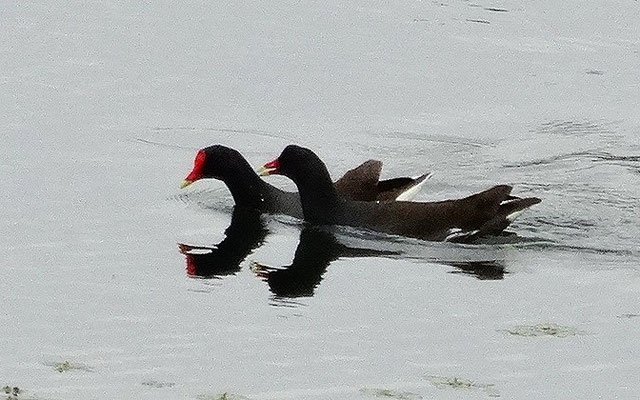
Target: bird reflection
point(316, 250)
point(245, 233)
point(483, 270)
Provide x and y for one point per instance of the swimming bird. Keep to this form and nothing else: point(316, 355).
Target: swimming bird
point(461, 220)
point(250, 191)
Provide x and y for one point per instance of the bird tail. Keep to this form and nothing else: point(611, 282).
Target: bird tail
point(508, 209)
point(412, 191)
point(501, 209)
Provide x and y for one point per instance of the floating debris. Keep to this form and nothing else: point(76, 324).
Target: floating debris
point(221, 396)
point(158, 384)
point(545, 329)
point(390, 394)
point(479, 21)
point(14, 393)
point(628, 315)
point(65, 366)
point(11, 392)
point(459, 383)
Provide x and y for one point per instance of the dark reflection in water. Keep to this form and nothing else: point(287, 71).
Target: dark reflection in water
point(245, 233)
point(509, 238)
point(316, 250)
point(483, 270)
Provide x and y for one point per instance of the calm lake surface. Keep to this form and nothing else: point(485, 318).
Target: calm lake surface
point(116, 284)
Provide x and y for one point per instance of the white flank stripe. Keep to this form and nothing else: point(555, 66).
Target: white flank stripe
point(456, 233)
point(513, 215)
point(509, 201)
point(413, 191)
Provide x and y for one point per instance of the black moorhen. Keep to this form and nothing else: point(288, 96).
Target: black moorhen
point(461, 220)
point(250, 191)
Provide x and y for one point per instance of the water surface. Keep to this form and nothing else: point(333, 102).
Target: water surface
point(117, 284)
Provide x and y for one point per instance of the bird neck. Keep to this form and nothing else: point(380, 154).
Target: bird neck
point(319, 199)
point(246, 189)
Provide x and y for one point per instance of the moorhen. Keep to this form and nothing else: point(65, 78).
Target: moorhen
point(460, 220)
point(250, 191)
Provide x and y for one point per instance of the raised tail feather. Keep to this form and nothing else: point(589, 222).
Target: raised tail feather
point(509, 208)
point(403, 189)
point(502, 209)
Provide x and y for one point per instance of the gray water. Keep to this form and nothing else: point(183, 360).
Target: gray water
point(104, 105)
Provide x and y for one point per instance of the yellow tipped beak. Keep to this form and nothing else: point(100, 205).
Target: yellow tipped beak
point(264, 171)
point(269, 168)
point(185, 183)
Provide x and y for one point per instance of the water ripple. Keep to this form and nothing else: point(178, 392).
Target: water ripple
point(575, 128)
point(593, 156)
point(205, 198)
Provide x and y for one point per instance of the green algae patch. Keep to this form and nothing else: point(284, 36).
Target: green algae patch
point(463, 384)
point(221, 396)
point(14, 393)
point(158, 384)
point(66, 366)
point(11, 392)
point(390, 394)
point(546, 329)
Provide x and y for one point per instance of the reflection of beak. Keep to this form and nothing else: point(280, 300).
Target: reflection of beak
point(261, 270)
point(269, 168)
point(185, 183)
